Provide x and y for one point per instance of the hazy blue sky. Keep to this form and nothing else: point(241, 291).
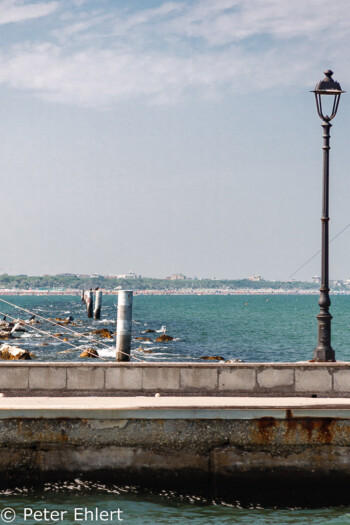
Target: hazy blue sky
point(170, 136)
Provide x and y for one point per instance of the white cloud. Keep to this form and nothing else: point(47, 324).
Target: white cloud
point(94, 58)
point(19, 10)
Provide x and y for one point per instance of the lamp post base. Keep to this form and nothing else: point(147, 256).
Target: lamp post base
point(324, 352)
point(323, 355)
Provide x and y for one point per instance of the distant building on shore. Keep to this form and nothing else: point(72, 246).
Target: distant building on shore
point(255, 278)
point(82, 275)
point(316, 279)
point(177, 277)
point(130, 275)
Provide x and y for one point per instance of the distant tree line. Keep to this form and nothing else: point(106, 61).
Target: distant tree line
point(45, 282)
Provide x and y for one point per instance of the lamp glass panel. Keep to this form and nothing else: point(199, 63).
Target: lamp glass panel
point(327, 102)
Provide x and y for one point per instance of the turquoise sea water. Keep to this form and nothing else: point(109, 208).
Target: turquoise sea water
point(250, 328)
point(164, 508)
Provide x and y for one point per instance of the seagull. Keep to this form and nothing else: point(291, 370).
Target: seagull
point(162, 330)
point(32, 318)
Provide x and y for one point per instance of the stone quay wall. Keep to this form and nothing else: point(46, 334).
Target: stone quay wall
point(216, 379)
point(289, 451)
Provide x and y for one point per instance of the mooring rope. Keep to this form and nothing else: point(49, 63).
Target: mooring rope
point(318, 251)
point(90, 339)
point(74, 347)
point(65, 327)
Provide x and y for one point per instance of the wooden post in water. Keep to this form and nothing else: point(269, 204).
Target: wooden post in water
point(89, 303)
point(98, 304)
point(82, 296)
point(124, 322)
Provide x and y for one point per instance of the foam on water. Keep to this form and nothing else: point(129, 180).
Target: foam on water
point(162, 507)
point(105, 352)
point(282, 329)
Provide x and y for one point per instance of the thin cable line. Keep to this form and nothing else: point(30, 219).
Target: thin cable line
point(56, 324)
point(50, 335)
point(319, 251)
point(90, 340)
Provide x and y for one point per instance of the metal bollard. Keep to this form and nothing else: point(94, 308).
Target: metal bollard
point(124, 322)
point(89, 303)
point(98, 304)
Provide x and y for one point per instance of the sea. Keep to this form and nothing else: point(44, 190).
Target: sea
point(248, 328)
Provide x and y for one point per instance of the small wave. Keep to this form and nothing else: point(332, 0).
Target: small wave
point(86, 340)
point(29, 336)
point(155, 354)
point(106, 352)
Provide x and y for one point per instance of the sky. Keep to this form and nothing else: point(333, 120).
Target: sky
point(171, 136)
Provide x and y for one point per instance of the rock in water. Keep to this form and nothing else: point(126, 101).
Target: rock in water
point(103, 332)
point(212, 358)
point(13, 352)
point(164, 338)
point(5, 334)
point(149, 331)
point(144, 350)
point(89, 352)
point(63, 321)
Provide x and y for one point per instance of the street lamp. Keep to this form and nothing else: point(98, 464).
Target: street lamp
point(325, 88)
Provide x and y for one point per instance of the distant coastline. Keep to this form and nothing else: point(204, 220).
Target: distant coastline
point(177, 284)
point(63, 284)
point(184, 291)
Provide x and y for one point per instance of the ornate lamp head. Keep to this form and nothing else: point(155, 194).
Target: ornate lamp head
point(327, 87)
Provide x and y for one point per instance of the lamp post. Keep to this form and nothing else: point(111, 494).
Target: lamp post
point(325, 88)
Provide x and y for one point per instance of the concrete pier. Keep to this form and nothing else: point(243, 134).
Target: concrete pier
point(180, 379)
point(124, 324)
point(260, 450)
point(269, 433)
point(98, 305)
point(89, 303)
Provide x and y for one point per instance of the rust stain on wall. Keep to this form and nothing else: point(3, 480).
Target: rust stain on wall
point(320, 430)
point(317, 431)
point(266, 428)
